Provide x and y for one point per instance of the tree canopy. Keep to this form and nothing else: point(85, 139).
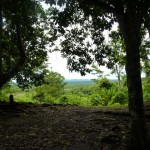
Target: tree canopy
point(51, 89)
point(23, 42)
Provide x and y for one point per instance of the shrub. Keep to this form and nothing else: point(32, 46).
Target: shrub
point(119, 97)
point(51, 89)
point(146, 89)
point(116, 105)
point(96, 100)
point(104, 83)
point(3, 96)
point(49, 99)
point(63, 99)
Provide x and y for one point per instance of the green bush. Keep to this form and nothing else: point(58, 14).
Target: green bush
point(97, 100)
point(3, 96)
point(104, 83)
point(119, 97)
point(52, 88)
point(4, 92)
point(63, 99)
point(49, 99)
point(146, 89)
point(75, 100)
point(24, 97)
point(116, 105)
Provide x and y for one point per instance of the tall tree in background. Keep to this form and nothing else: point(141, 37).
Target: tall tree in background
point(91, 18)
point(51, 89)
point(117, 55)
point(22, 42)
point(145, 56)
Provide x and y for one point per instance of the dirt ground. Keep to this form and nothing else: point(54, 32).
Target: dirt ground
point(45, 127)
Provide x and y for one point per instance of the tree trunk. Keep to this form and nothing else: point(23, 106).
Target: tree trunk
point(118, 72)
point(138, 130)
point(138, 136)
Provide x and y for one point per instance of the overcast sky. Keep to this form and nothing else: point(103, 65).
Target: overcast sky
point(59, 64)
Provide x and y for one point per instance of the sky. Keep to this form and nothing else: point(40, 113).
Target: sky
point(58, 64)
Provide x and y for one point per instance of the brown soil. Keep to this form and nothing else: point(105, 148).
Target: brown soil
point(45, 127)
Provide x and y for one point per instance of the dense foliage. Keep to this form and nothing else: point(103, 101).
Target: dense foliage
point(23, 42)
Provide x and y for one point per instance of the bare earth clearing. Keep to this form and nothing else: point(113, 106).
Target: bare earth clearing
point(45, 127)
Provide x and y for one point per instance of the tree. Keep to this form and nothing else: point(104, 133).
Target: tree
point(97, 71)
point(117, 55)
point(51, 89)
point(146, 68)
point(22, 42)
point(104, 83)
point(146, 87)
point(145, 53)
point(132, 16)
